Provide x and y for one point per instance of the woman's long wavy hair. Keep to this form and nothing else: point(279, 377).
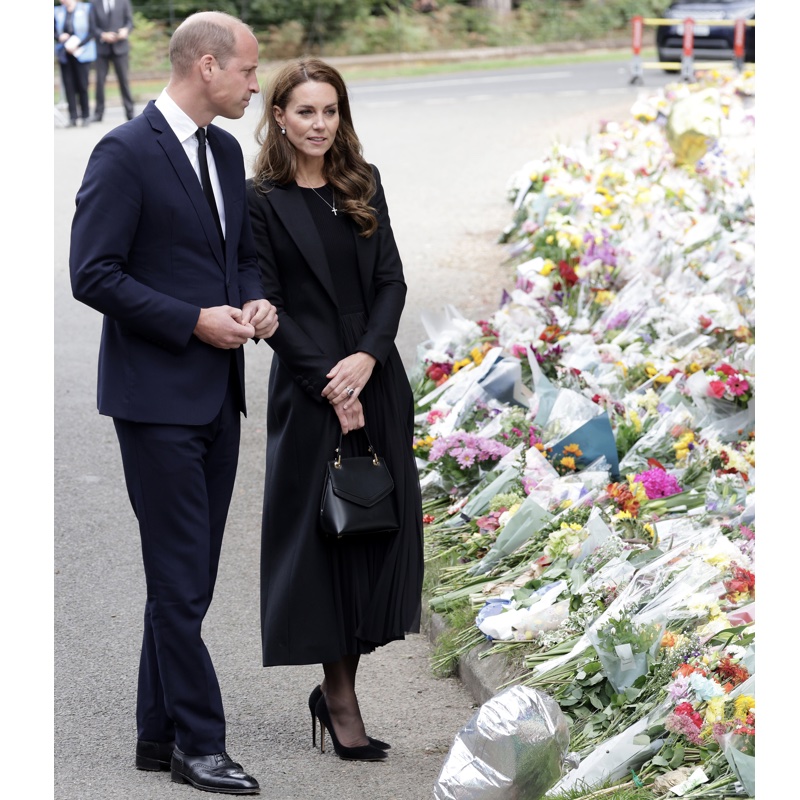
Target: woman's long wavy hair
point(345, 168)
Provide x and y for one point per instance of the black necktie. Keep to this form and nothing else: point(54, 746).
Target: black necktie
point(205, 178)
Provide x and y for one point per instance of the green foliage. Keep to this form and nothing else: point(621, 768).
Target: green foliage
point(149, 45)
point(288, 28)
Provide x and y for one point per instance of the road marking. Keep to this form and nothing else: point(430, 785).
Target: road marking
point(472, 81)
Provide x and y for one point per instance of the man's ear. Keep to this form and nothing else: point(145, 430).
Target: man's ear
point(207, 65)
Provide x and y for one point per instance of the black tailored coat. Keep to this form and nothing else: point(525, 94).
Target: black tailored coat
point(300, 621)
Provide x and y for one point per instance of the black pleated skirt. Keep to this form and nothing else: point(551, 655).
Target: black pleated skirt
point(322, 599)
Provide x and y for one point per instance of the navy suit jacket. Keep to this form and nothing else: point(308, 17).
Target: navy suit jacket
point(145, 252)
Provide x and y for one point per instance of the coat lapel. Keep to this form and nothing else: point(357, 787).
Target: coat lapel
point(294, 214)
point(188, 177)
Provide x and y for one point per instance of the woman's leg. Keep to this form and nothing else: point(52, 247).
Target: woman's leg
point(339, 687)
point(82, 73)
point(68, 79)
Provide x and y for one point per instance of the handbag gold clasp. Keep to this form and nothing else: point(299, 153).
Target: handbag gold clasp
point(375, 460)
point(337, 463)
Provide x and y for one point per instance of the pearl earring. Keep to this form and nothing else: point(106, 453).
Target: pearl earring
point(283, 131)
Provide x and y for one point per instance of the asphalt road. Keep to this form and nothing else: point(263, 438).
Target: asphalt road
point(446, 147)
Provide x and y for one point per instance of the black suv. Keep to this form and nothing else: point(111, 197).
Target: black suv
point(711, 42)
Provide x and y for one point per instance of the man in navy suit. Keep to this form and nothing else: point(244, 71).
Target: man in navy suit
point(173, 270)
point(113, 20)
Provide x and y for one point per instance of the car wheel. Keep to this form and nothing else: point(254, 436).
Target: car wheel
point(663, 59)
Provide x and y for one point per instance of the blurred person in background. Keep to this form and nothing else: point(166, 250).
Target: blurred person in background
point(76, 50)
point(113, 20)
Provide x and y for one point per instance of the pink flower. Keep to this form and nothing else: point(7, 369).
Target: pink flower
point(658, 483)
point(738, 386)
point(726, 369)
point(519, 350)
point(716, 389)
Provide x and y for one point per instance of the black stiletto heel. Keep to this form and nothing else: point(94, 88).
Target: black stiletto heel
point(361, 753)
point(313, 699)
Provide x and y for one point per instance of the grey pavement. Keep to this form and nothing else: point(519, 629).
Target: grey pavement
point(445, 166)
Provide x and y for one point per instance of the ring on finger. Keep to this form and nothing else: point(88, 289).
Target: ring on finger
point(350, 392)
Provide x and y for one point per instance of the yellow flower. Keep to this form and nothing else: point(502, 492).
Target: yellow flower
point(550, 239)
point(637, 489)
point(715, 710)
point(636, 420)
point(603, 297)
point(661, 378)
point(650, 370)
point(459, 364)
point(649, 530)
point(693, 367)
point(477, 355)
point(623, 515)
point(568, 462)
point(534, 176)
point(547, 267)
point(742, 706)
point(574, 449)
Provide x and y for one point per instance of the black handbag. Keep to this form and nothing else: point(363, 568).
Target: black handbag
point(357, 496)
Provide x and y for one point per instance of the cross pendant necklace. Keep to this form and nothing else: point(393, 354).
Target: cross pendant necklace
point(333, 197)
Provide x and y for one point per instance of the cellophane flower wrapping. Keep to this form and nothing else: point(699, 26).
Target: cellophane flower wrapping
point(742, 764)
point(515, 746)
point(626, 647)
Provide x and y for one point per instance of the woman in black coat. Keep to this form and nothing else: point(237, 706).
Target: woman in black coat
point(331, 267)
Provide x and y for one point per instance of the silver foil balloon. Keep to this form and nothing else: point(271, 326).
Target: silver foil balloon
point(513, 748)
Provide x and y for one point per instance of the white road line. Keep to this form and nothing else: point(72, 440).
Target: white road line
point(472, 81)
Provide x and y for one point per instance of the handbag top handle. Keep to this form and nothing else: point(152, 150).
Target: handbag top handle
point(337, 462)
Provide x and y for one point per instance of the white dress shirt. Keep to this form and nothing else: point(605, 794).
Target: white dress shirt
point(183, 127)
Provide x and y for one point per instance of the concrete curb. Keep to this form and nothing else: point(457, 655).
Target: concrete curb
point(481, 676)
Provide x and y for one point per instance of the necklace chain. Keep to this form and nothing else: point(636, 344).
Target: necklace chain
point(333, 197)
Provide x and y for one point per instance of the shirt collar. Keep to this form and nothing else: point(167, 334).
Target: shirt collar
point(181, 123)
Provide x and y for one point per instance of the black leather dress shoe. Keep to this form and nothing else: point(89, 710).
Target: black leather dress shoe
point(154, 756)
point(215, 773)
point(98, 117)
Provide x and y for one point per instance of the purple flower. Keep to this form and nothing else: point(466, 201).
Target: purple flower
point(679, 688)
point(619, 320)
point(466, 458)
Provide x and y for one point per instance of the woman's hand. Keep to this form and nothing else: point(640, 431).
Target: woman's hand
point(352, 417)
point(348, 378)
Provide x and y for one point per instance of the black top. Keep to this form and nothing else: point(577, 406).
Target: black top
point(336, 232)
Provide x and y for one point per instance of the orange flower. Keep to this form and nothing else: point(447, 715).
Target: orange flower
point(668, 639)
point(574, 449)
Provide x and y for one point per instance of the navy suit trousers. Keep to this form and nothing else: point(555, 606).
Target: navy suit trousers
point(180, 481)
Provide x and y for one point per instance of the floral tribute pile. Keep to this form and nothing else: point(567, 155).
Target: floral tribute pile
point(587, 453)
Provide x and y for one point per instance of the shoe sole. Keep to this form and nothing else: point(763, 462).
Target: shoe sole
point(177, 777)
point(152, 764)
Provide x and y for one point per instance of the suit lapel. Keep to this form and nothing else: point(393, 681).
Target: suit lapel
point(293, 212)
point(188, 177)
